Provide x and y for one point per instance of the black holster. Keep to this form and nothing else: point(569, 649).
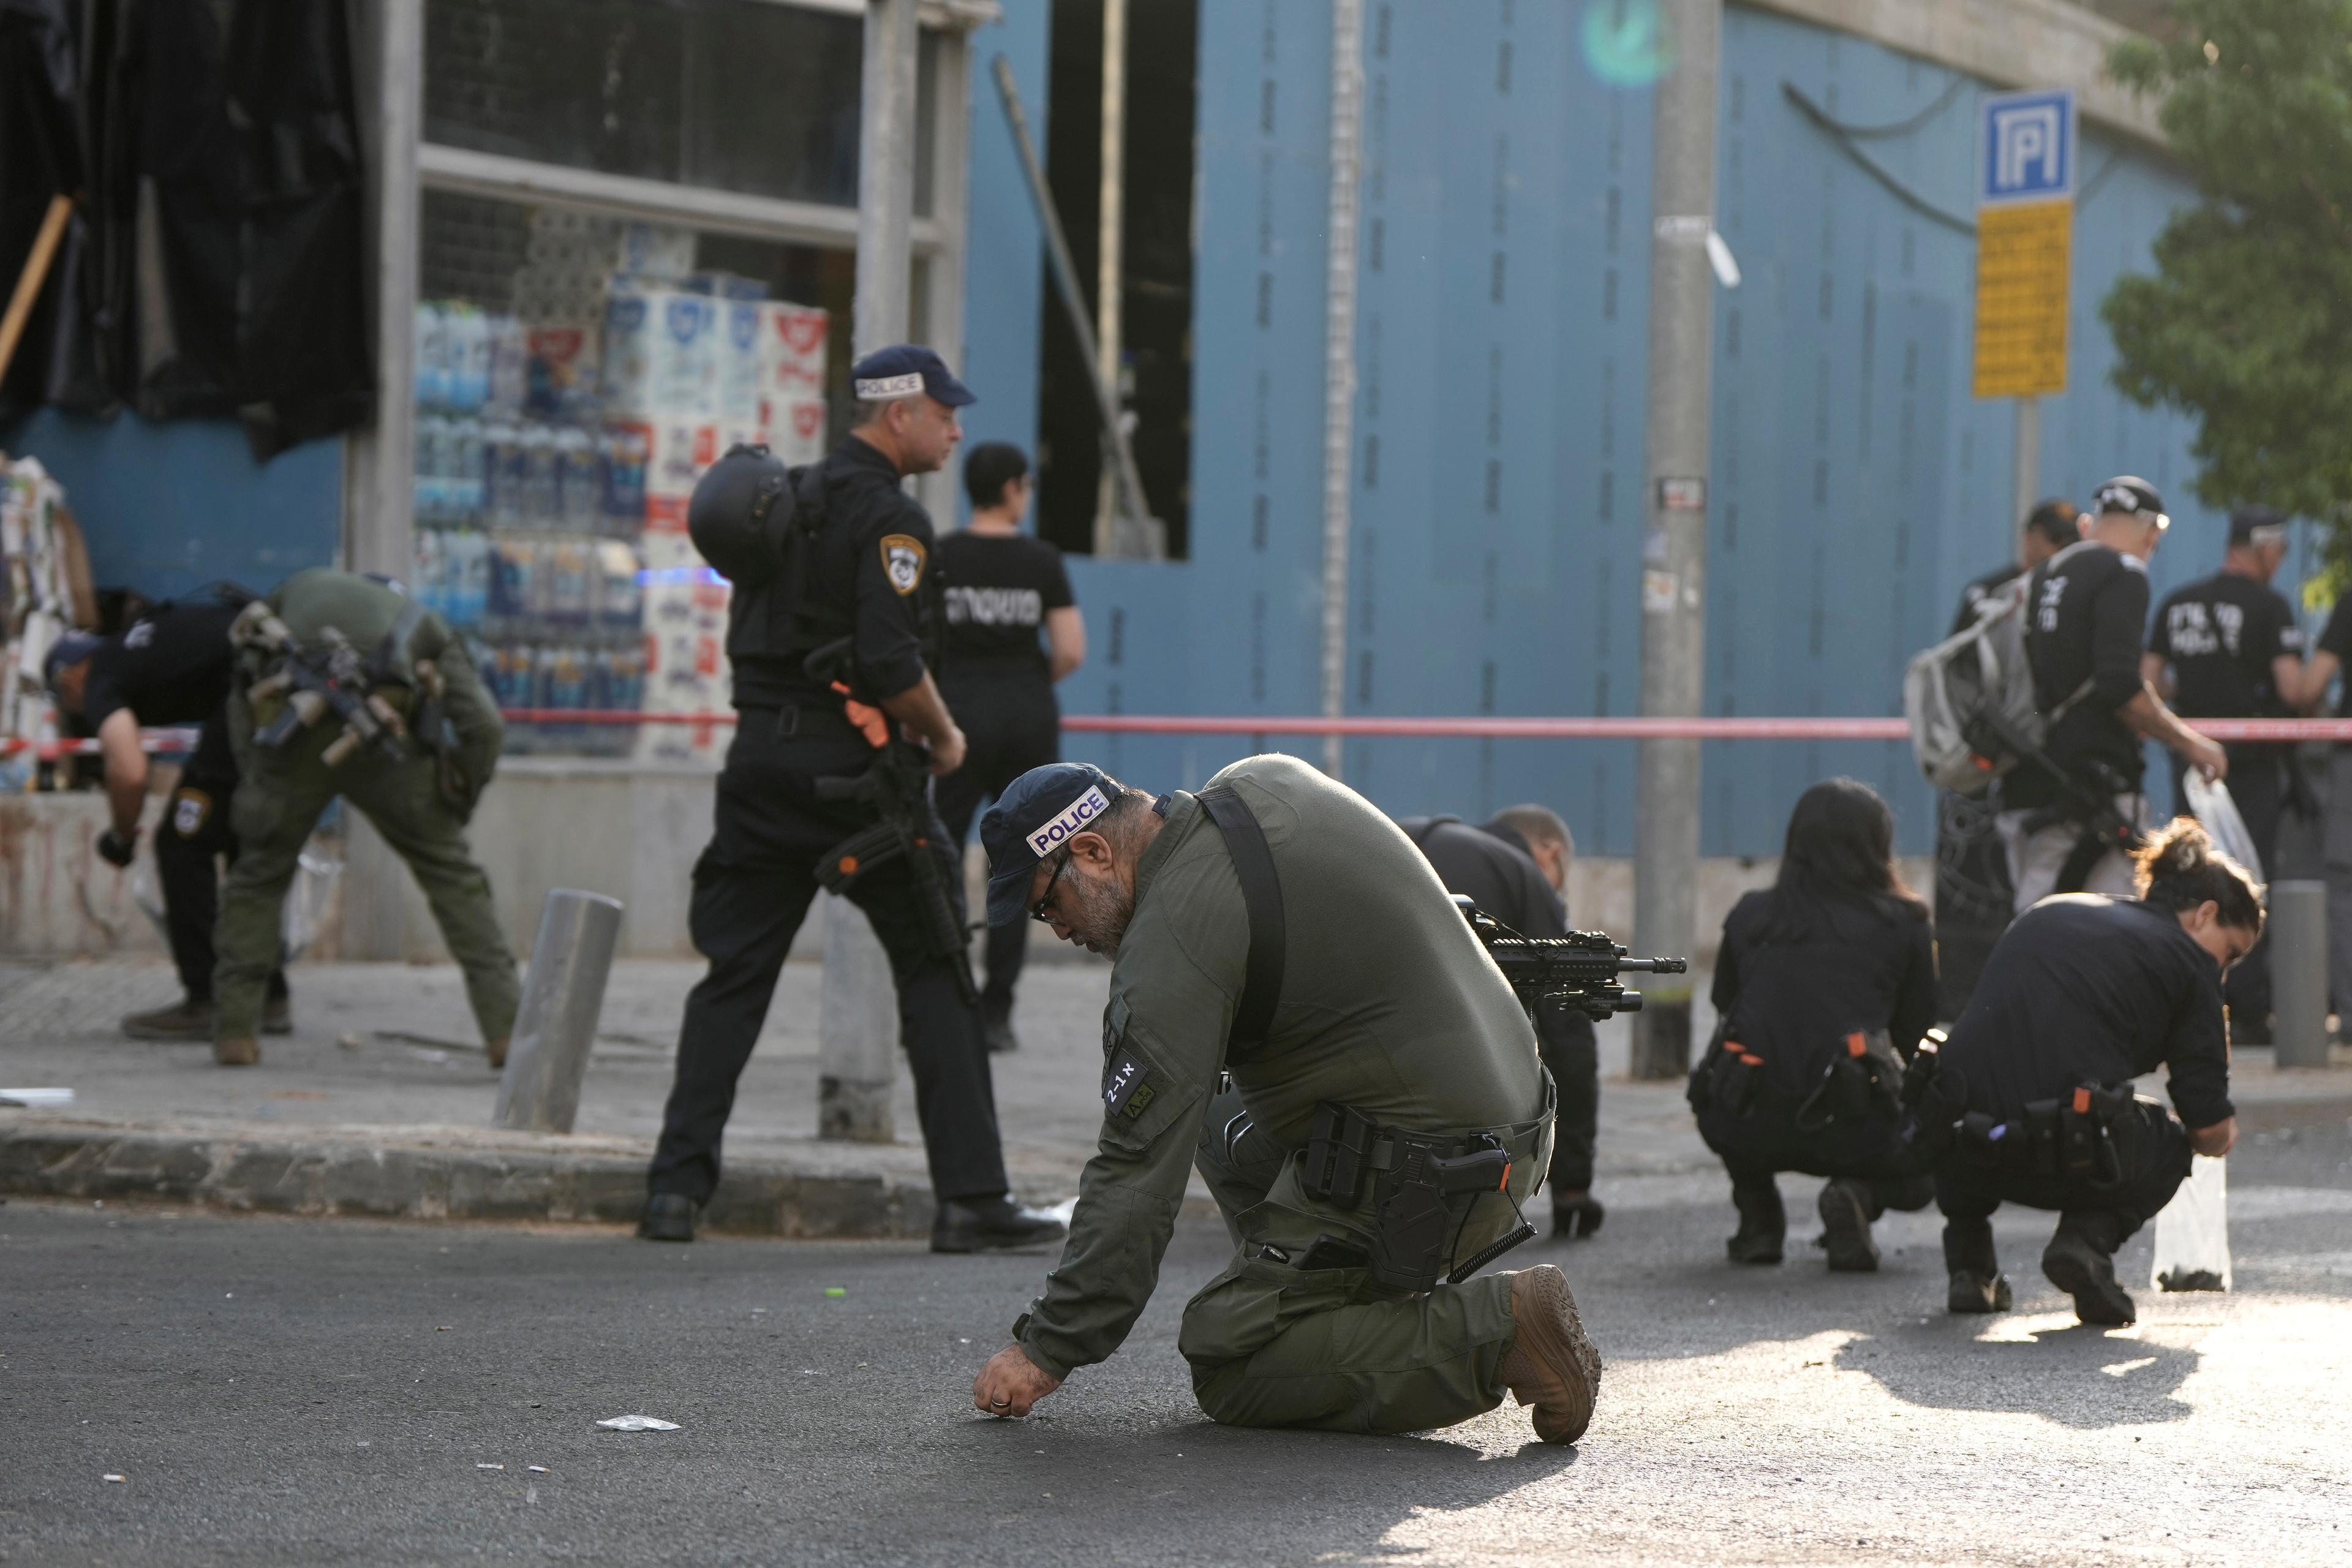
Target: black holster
point(1424, 1186)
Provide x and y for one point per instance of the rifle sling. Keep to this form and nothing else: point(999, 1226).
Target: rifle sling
point(1262, 897)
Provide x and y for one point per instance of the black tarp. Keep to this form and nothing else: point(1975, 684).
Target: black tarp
point(218, 264)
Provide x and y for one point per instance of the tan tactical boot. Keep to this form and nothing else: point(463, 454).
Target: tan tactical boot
point(1551, 1366)
point(244, 1051)
point(185, 1020)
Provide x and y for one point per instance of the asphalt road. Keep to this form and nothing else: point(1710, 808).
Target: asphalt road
point(303, 1392)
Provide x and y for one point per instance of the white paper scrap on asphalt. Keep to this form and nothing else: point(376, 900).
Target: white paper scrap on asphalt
point(32, 1099)
point(639, 1424)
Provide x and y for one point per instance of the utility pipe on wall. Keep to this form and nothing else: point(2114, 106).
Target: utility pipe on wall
point(1340, 354)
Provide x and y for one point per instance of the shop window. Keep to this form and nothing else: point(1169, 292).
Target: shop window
point(733, 95)
point(575, 374)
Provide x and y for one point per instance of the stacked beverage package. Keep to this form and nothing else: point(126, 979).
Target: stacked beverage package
point(558, 440)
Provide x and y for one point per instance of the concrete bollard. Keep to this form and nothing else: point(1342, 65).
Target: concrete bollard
point(2298, 938)
point(857, 1030)
point(563, 997)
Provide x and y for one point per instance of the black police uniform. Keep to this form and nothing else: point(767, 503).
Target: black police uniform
point(1822, 1003)
point(1492, 865)
point(2221, 636)
point(2086, 992)
point(872, 583)
point(2087, 612)
point(1973, 895)
point(171, 666)
point(998, 590)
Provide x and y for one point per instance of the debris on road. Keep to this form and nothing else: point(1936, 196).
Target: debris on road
point(110, 1476)
point(479, 1465)
point(536, 1469)
point(836, 1291)
point(639, 1424)
point(348, 1042)
point(34, 1098)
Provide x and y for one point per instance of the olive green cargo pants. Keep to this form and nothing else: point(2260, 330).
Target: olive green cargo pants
point(1273, 1344)
point(280, 794)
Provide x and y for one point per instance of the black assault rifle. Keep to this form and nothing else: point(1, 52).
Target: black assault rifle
point(896, 791)
point(1579, 970)
point(326, 678)
point(2090, 806)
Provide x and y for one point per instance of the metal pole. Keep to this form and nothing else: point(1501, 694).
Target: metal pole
point(562, 996)
point(1674, 576)
point(2298, 939)
point(2028, 458)
point(858, 1020)
point(1340, 354)
point(1143, 537)
point(1109, 249)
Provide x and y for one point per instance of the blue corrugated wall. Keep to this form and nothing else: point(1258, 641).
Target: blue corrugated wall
point(1498, 454)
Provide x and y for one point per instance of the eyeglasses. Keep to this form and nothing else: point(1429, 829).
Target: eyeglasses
point(1039, 911)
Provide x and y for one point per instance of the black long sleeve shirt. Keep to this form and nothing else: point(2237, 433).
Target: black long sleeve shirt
point(2086, 988)
point(1792, 989)
point(2087, 611)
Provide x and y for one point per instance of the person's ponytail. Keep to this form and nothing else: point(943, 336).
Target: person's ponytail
point(2179, 869)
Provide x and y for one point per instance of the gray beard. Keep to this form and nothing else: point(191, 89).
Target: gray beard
point(1100, 920)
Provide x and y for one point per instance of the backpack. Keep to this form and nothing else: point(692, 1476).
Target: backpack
point(1980, 672)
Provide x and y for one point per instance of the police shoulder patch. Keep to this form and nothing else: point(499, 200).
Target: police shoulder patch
point(903, 558)
point(189, 809)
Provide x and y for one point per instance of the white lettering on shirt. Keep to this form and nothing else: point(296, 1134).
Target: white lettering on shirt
point(995, 607)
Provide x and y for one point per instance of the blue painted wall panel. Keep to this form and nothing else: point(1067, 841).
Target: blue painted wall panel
point(1004, 271)
point(168, 508)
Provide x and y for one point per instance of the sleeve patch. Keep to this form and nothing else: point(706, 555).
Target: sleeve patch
point(903, 559)
point(1127, 1091)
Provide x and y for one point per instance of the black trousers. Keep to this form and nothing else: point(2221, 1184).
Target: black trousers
point(1757, 1146)
point(752, 888)
point(2257, 783)
point(1010, 726)
point(196, 832)
point(1565, 1040)
point(2151, 1149)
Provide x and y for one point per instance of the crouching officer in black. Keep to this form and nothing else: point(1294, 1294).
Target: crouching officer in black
point(171, 665)
point(830, 633)
point(1825, 983)
point(1516, 868)
point(2083, 994)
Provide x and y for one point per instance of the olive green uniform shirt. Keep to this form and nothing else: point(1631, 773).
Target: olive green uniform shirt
point(1389, 1004)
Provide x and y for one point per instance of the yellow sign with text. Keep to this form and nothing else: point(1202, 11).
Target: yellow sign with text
point(2023, 256)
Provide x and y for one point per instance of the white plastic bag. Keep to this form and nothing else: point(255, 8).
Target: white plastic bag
point(2192, 1234)
point(2211, 804)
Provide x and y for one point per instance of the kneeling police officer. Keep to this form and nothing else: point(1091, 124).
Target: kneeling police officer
point(1388, 1114)
point(347, 686)
point(833, 636)
point(2084, 994)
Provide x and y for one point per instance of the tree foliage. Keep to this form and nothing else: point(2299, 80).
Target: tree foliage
point(2247, 323)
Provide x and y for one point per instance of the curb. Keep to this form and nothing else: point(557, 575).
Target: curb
point(384, 1177)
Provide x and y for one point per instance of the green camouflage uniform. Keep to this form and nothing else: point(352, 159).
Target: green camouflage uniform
point(282, 791)
point(1389, 1004)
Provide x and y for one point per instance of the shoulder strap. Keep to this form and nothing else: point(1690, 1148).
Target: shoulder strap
point(1262, 896)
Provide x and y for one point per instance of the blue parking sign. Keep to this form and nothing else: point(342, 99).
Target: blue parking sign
point(2026, 147)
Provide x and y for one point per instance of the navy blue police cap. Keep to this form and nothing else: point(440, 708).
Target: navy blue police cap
point(70, 648)
point(902, 370)
point(1038, 813)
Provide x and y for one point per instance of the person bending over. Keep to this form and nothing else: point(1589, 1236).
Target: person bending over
point(1387, 1118)
point(1825, 982)
point(2084, 994)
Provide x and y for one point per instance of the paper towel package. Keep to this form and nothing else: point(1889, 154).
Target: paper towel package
point(661, 352)
point(791, 351)
point(795, 430)
point(737, 359)
point(679, 449)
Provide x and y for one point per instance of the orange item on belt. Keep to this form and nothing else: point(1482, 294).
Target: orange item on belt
point(872, 723)
point(1857, 1045)
point(2082, 1101)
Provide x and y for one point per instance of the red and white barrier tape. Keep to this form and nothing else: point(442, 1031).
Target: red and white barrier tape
point(1628, 728)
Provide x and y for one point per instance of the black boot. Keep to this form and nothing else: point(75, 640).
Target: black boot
point(1577, 1217)
point(1977, 1284)
point(1763, 1223)
point(1845, 1209)
point(668, 1216)
point(2077, 1263)
point(987, 1225)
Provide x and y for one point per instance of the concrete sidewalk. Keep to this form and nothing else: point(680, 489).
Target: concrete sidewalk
point(380, 1103)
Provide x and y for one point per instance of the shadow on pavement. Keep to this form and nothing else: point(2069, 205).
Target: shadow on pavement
point(2079, 1377)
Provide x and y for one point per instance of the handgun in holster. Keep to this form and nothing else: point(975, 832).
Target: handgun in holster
point(1726, 1080)
point(1423, 1200)
point(1862, 1080)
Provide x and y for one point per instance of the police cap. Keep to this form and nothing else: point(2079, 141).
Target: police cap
point(2133, 497)
point(1038, 813)
point(903, 370)
point(2257, 525)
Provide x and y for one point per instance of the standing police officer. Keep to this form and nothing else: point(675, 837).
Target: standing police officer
point(2087, 610)
point(832, 635)
point(2236, 652)
point(1516, 868)
point(170, 666)
point(1387, 1116)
